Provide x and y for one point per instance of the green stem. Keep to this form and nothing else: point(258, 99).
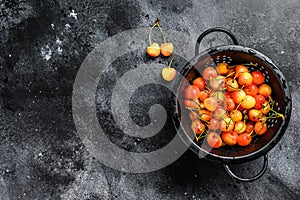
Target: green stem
point(162, 33)
point(232, 66)
point(149, 35)
point(171, 61)
point(278, 114)
point(230, 74)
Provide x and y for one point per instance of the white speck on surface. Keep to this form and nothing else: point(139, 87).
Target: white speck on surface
point(59, 50)
point(282, 52)
point(58, 41)
point(52, 26)
point(185, 193)
point(40, 154)
point(46, 52)
point(9, 55)
point(33, 101)
point(73, 14)
point(67, 26)
point(36, 129)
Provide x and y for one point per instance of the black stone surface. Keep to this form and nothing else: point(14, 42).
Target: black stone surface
point(42, 45)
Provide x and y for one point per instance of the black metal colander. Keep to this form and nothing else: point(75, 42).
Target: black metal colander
point(233, 55)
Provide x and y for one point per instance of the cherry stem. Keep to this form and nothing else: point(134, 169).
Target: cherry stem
point(237, 107)
point(171, 61)
point(278, 114)
point(247, 64)
point(200, 135)
point(160, 29)
point(208, 88)
point(149, 35)
point(251, 134)
point(230, 74)
point(162, 33)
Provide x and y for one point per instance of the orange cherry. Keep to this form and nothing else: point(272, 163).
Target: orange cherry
point(153, 50)
point(166, 49)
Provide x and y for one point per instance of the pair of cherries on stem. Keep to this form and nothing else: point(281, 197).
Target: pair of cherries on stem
point(166, 49)
point(154, 49)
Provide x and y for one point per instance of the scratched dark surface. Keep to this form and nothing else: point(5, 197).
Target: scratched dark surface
point(42, 45)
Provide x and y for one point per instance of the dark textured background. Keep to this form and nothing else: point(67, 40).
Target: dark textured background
point(41, 48)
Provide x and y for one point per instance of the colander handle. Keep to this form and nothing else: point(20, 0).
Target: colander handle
point(252, 178)
point(216, 29)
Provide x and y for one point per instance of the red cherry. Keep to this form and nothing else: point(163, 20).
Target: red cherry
point(214, 140)
point(209, 72)
point(258, 77)
point(192, 92)
point(244, 139)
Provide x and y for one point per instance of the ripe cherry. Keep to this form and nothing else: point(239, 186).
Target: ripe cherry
point(153, 50)
point(205, 115)
point(166, 49)
point(192, 92)
point(220, 112)
point(264, 90)
point(259, 100)
point(227, 124)
point(169, 73)
point(230, 105)
point(245, 78)
point(251, 90)
point(209, 73)
point(198, 127)
point(214, 140)
point(229, 138)
point(241, 69)
point(260, 128)
point(244, 139)
point(214, 124)
point(258, 77)
point(239, 127)
point(211, 103)
point(238, 96)
point(217, 83)
point(200, 83)
point(222, 68)
point(204, 94)
point(248, 102)
point(236, 115)
point(255, 115)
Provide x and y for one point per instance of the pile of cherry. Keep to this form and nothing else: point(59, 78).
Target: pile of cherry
point(229, 105)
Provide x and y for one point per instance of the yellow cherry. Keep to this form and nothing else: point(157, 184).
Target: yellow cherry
point(153, 50)
point(168, 73)
point(166, 49)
